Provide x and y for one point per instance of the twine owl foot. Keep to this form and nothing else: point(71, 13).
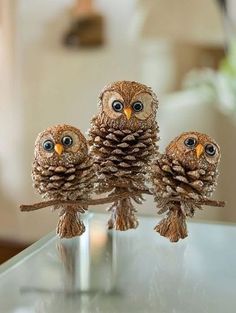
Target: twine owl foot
point(173, 226)
point(70, 225)
point(122, 217)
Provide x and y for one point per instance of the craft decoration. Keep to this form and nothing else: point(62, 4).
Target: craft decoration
point(123, 157)
point(123, 140)
point(183, 178)
point(63, 170)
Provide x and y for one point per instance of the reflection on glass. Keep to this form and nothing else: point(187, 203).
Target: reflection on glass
point(134, 271)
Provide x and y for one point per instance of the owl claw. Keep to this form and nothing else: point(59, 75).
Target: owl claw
point(70, 225)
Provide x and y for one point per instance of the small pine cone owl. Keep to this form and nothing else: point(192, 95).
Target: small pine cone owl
point(181, 177)
point(123, 140)
point(63, 170)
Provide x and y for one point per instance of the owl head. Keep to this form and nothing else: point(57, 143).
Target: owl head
point(60, 145)
point(194, 150)
point(128, 104)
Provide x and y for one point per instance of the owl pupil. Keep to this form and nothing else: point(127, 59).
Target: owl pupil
point(210, 150)
point(67, 141)
point(190, 142)
point(138, 106)
point(48, 145)
point(117, 106)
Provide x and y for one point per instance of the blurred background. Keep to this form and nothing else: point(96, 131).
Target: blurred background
point(55, 57)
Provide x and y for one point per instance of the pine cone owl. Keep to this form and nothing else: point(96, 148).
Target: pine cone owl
point(123, 138)
point(182, 177)
point(63, 170)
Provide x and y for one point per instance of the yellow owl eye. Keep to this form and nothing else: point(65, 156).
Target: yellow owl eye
point(137, 106)
point(48, 145)
point(117, 106)
point(210, 150)
point(190, 142)
point(67, 141)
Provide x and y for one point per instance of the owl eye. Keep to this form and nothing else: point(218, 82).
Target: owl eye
point(190, 142)
point(117, 106)
point(48, 145)
point(210, 150)
point(67, 141)
point(137, 106)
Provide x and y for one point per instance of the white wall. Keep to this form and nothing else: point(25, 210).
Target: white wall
point(10, 124)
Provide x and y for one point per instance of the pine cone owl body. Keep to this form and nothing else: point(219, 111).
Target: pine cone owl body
point(123, 140)
point(63, 170)
point(68, 182)
point(182, 177)
point(122, 156)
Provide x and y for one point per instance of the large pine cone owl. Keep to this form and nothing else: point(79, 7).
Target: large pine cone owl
point(63, 170)
point(123, 140)
point(182, 177)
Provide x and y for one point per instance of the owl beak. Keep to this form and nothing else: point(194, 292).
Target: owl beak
point(58, 148)
point(199, 150)
point(128, 112)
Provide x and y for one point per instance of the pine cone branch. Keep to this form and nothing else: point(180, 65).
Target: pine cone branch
point(111, 198)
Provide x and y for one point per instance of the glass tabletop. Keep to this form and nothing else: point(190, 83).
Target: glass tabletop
point(133, 271)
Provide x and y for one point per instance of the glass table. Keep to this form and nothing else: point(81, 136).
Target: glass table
point(133, 271)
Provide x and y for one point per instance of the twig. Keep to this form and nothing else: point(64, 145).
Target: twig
point(109, 199)
point(209, 202)
point(44, 204)
point(216, 203)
